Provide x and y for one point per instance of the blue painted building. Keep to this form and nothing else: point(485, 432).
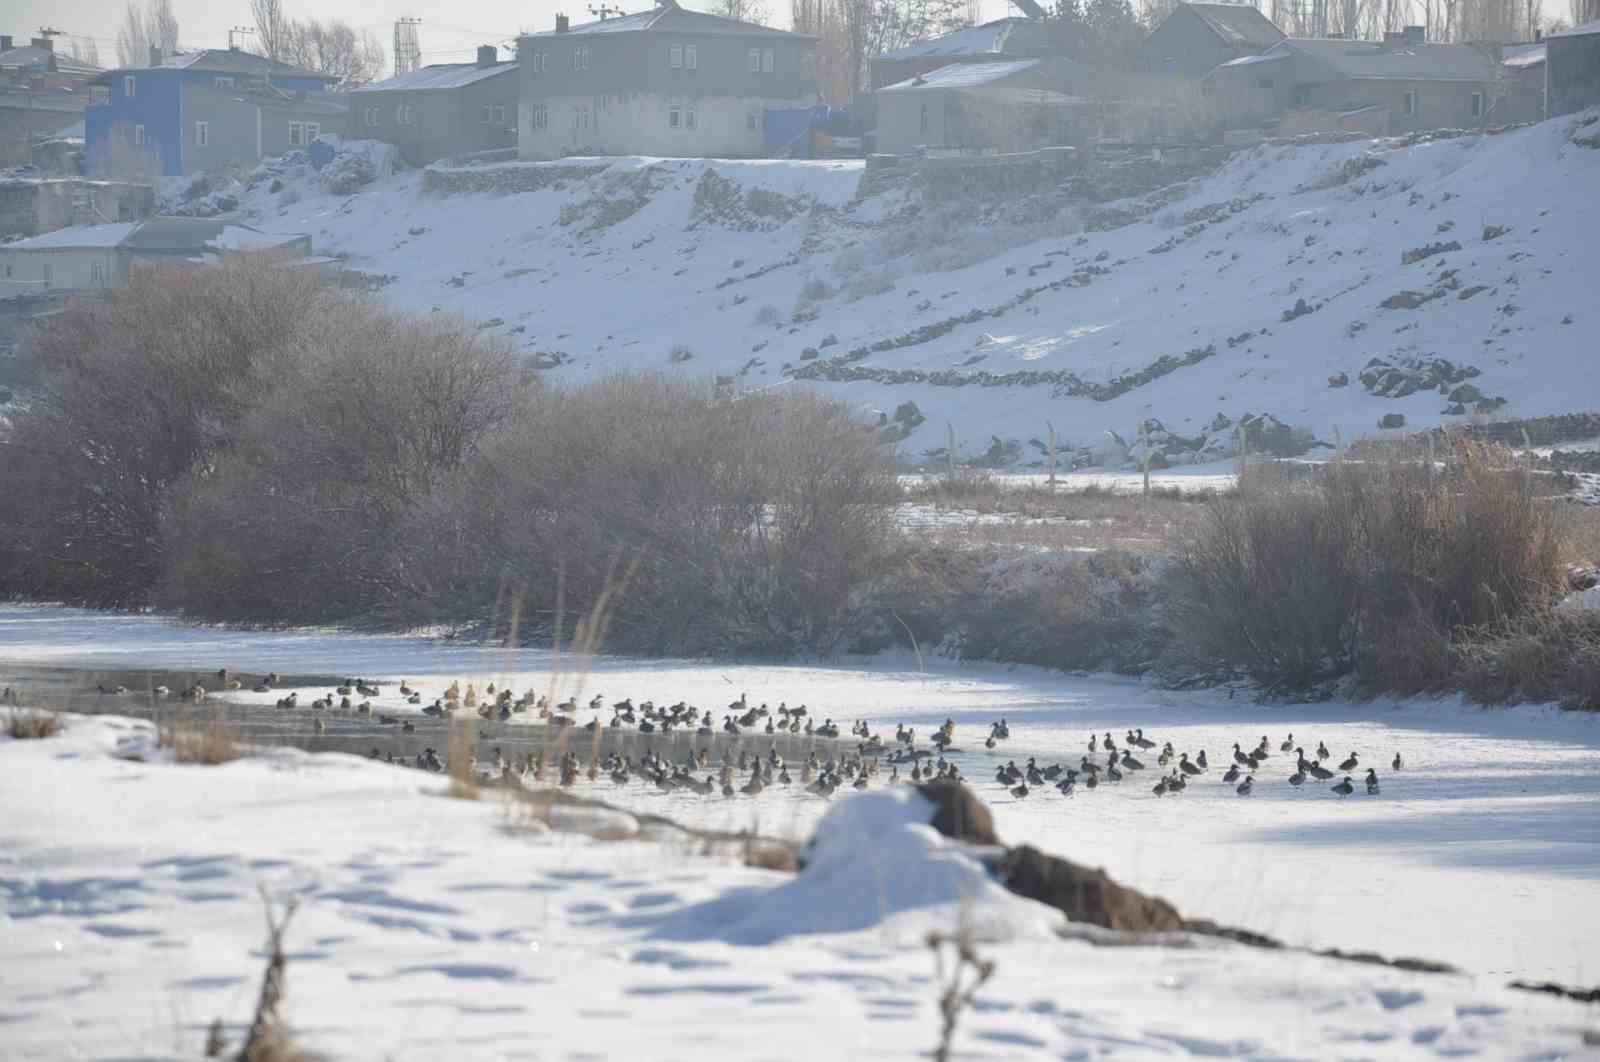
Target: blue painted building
point(204, 109)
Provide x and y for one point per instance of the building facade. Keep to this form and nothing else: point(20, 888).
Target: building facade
point(1573, 58)
point(41, 93)
point(1399, 85)
point(441, 111)
point(205, 110)
point(668, 82)
point(1196, 38)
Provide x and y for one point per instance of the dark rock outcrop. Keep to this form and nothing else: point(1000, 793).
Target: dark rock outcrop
point(959, 814)
point(1084, 894)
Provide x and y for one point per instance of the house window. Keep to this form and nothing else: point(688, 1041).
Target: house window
point(488, 114)
point(295, 134)
point(924, 126)
point(538, 62)
point(674, 116)
point(766, 61)
point(372, 116)
point(691, 57)
point(1411, 103)
point(48, 276)
point(138, 136)
point(580, 58)
point(202, 134)
point(222, 82)
point(690, 117)
point(755, 60)
point(1477, 105)
point(313, 130)
point(540, 117)
point(675, 56)
point(97, 274)
point(129, 86)
point(499, 114)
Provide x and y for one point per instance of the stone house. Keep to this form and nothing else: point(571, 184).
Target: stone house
point(206, 110)
point(1399, 85)
point(33, 205)
point(668, 81)
point(1574, 69)
point(443, 110)
point(41, 93)
point(99, 257)
point(1196, 38)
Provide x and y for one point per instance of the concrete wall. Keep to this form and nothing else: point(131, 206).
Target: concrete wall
point(231, 129)
point(970, 120)
point(40, 272)
point(31, 207)
point(1574, 66)
point(640, 124)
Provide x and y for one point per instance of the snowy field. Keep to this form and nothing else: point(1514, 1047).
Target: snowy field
point(1285, 265)
point(1484, 851)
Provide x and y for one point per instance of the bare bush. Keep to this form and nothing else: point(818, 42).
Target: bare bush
point(1371, 567)
point(27, 724)
point(208, 742)
point(1553, 657)
point(134, 393)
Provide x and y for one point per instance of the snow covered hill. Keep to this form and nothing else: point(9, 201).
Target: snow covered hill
point(1330, 286)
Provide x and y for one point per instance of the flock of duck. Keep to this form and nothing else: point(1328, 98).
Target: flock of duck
point(1177, 769)
point(1104, 763)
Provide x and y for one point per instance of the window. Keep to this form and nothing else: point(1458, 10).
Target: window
point(924, 126)
point(499, 114)
point(47, 274)
point(1302, 95)
point(129, 86)
point(138, 136)
point(222, 82)
point(1477, 105)
point(97, 274)
point(1411, 103)
point(302, 134)
point(372, 116)
point(691, 57)
point(766, 61)
point(488, 114)
point(674, 116)
point(541, 116)
point(755, 60)
point(202, 134)
point(580, 58)
point(690, 117)
point(295, 134)
point(399, 115)
point(675, 56)
point(313, 130)
point(580, 119)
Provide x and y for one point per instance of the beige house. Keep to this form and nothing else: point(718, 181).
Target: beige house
point(99, 257)
point(1399, 85)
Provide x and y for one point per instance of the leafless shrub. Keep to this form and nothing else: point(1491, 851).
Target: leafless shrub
point(1553, 657)
point(209, 742)
point(815, 290)
point(135, 392)
point(25, 724)
point(269, 1039)
point(1371, 567)
point(958, 984)
point(768, 315)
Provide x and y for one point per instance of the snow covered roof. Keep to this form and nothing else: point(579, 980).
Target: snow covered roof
point(1264, 57)
point(438, 76)
point(963, 75)
point(227, 61)
point(1522, 55)
point(1583, 29)
point(1369, 60)
point(1237, 24)
point(670, 18)
point(31, 56)
point(76, 238)
point(163, 234)
point(987, 39)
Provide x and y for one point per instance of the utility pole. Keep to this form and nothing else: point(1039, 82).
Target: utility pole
point(241, 32)
point(407, 49)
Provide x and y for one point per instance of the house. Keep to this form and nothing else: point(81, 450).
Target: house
point(1008, 106)
point(669, 82)
point(1399, 85)
point(441, 110)
point(1197, 38)
point(32, 205)
point(98, 257)
point(997, 41)
point(1523, 65)
point(205, 110)
point(41, 93)
point(1574, 68)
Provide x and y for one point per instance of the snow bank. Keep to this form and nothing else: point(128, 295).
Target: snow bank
point(873, 862)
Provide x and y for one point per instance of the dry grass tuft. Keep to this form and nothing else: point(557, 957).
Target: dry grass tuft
point(209, 742)
point(26, 724)
point(458, 759)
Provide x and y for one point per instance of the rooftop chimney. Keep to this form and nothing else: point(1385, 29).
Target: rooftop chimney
point(155, 55)
point(5, 42)
point(561, 24)
point(488, 55)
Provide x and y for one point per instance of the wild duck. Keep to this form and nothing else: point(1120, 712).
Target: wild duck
point(160, 691)
point(1201, 760)
point(1091, 780)
point(1160, 788)
point(1318, 771)
point(1344, 788)
point(1322, 751)
point(1019, 791)
point(1396, 764)
point(1239, 757)
point(1372, 781)
point(1142, 741)
point(1232, 774)
point(1287, 744)
point(1298, 778)
point(1130, 763)
point(1245, 787)
point(1349, 764)
point(1185, 766)
point(1094, 743)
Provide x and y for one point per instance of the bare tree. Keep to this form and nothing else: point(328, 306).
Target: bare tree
point(333, 48)
point(161, 24)
point(742, 10)
point(823, 20)
point(272, 27)
point(154, 24)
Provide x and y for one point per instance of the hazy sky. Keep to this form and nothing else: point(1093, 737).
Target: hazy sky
point(450, 32)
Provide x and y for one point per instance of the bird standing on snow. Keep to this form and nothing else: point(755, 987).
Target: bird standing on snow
point(1344, 788)
point(1349, 764)
point(1244, 787)
point(1396, 764)
point(1372, 781)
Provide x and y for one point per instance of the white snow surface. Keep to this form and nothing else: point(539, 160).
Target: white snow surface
point(431, 928)
point(1491, 803)
point(605, 275)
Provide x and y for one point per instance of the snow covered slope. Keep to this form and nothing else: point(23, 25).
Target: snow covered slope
point(1462, 262)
